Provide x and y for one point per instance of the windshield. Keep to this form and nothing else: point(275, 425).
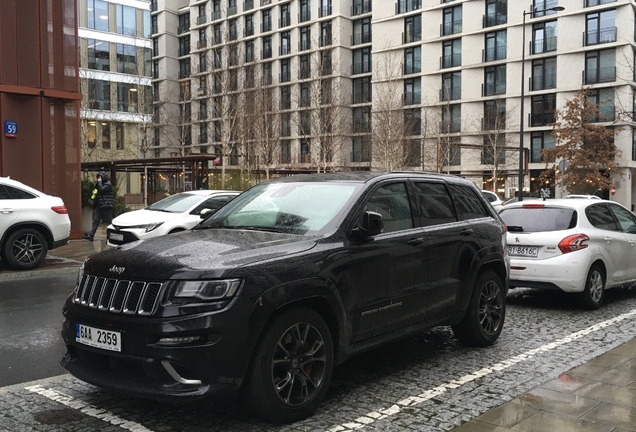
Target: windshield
point(538, 219)
point(298, 208)
point(178, 203)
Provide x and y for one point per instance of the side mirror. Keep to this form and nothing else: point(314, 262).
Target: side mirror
point(372, 224)
point(206, 212)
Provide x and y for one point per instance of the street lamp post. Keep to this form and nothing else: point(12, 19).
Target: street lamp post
point(523, 69)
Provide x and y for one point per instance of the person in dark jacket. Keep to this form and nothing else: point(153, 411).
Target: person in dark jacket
point(103, 197)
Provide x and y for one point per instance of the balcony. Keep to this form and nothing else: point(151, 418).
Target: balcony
point(412, 67)
point(231, 10)
point(449, 28)
point(304, 15)
point(450, 93)
point(266, 53)
point(304, 45)
point(266, 2)
point(452, 60)
point(216, 15)
point(404, 6)
point(202, 44)
point(248, 5)
point(412, 98)
point(249, 30)
point(184, 74)
point(284, 77)
point(284, 21)
point(325, 40)
point(493, 19)
point(266, 26)
point(284, 49)
point(201, 19)
point(412, 36)
point(539, 46)
point(360, 38)
point(543, 82)
point(593, 76)
point(180, 30)
point(602, 36)
point(493, 54)
point(358, 68)
point(324, 11)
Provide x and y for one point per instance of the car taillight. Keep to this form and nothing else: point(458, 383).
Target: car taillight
point(573, 243)
point(534, 205)
point(59, 209)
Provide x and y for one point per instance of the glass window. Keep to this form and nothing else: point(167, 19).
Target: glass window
point(544, 37)
point(543, 109)
point(392, 202)
point(434, 204)
point(604, 98)
point(325, 33)
point(544, 73)
point(127, 59)
point(361, 31)
point(600, 66)
point(126, 20)
point(285, 43)
point(362, 60)
point(99, 95)
point(496, 12)
point(97, 14)
point(494, 115)
point(540, 141)
point(285, 16)
point(10, 192)
point(148, 30)
point(495, 80)
point(98, 54)
point(412, 28)
point(451, 86)
point(412, 60)
point(305, 38)
point(601, 217)
point(362, 90)
point(539, 219)
point(408, 5)
point(413, 91)
point(452, 20)
point(452, 53)
point(601, 27)
point(626, 219)
point(469, 204)
point(127, 97)
point(451, 118)
point(361, 149)
point(495, 46)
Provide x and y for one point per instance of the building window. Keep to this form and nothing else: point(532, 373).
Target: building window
point(305, 38)
point(126, 59)
point(285, 16)
point(600, 66)
point(451, 118)
point(149, 24)
point(285, 151)
point(203, 133)
point(218, 35)
point(452, 20)
point(403, 6)
point(233, 55)
point(304, 128)
point(539, 141)
point(604, 99)
point(600, 27)
point(544, 72)
point(413, 91)
point(495, 46)
point(325, 92)
point(325, 62)
point(496, 13)
point(203, 109)
point(184, 68)
point(361, 31)
point(184, 91)
point(249, 25)
point(361, 149)
point(231, 7)
point(633, 144)
point(543, 109)
point(119, 136)
point(105, 136)
point(266, 20)
point(305, 95)
point(494, 146)
point(544, 6)
point(99, 95)
point(126, 20)
point(452, 53)
point(127, 98)
point(452, 151)
point(494, 115)
point(544, 37)
point(412, 60)
point(451, 86)
point(362, 90)
point(97, 14)
point(155, 47)
point(267, 47)
point(285, 70)
point(184, 46)
point(325, 33)
point(285, 97)
point(216, 10)
point(249, 51)
point(362, 60)
point(305, 150)
point(267, 73)
point(233, 29)
point(98, 54)
point(413, 121)
point(360, 7)
point(362, 119)
point(412, 29)
point(305, 67)
point(494, 80)
point(589, 3)
point(305, 11)
point(285, 43)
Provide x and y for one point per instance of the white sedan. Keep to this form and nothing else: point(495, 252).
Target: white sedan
point(175, 213)
point(579, 246)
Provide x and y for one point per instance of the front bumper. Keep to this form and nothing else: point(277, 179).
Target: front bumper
point(566, 272)
point(214, 365)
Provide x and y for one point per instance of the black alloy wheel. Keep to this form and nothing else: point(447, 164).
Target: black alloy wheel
point(291, 368)
point(486, 312)
point(25, 249)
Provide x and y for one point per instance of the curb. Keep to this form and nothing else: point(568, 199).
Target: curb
point(38, 274)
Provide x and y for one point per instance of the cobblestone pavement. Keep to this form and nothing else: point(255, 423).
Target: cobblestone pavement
point(424, 383)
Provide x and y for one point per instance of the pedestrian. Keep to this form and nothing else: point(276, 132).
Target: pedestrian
point(103, 197)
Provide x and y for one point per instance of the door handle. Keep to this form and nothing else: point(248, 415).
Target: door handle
point(607, 239)
point(466, 231)
point(415, 241)
point(6, 210)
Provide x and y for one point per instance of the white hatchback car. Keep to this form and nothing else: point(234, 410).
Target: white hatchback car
point(576, 245)
point(31, 223)
point(175, 213)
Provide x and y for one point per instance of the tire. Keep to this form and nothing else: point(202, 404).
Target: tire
point(25, 249)
point(485, 314)
point(281, 386)
point(594, 292)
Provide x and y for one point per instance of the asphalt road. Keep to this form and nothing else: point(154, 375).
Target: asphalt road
point(30, 324)
point(428, 382)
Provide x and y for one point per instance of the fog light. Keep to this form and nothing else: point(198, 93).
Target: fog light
point(178, 340)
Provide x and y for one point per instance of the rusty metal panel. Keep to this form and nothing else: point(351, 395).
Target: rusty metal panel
point(8, 48)
point(27, 40)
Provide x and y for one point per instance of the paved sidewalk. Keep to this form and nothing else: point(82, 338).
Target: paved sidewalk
point(598, 396)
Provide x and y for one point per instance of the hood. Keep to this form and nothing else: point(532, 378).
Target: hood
point(143, 217)
point(104, 176)
point(200, 254)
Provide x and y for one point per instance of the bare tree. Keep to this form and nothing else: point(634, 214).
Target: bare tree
point(495, 153)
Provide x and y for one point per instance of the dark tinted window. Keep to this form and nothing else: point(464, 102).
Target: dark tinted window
point(601, 218)
point(469, 204)
point(392, 202)
point(434, 203)
point(625, 218)
point(4, 193)
point(490, 197)
point(15, 193)
point(538, 219)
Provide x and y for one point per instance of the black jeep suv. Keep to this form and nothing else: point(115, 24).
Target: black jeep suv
point(286, 281)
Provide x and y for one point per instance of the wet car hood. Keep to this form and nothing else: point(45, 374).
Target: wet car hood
point(142, 217)
point(211, 253)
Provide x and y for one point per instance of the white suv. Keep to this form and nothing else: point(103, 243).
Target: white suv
point(31, 223)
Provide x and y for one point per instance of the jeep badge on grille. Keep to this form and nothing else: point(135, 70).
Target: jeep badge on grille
point(118, 270)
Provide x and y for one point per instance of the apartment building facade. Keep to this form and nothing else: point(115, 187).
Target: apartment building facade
point(410, 84)
point(115, 78)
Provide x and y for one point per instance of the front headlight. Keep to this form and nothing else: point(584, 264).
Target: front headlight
point(147, 227)
point(208, 290)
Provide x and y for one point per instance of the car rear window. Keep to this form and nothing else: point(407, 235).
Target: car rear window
point(538, 219)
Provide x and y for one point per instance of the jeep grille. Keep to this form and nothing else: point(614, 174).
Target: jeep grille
point(118, 296)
